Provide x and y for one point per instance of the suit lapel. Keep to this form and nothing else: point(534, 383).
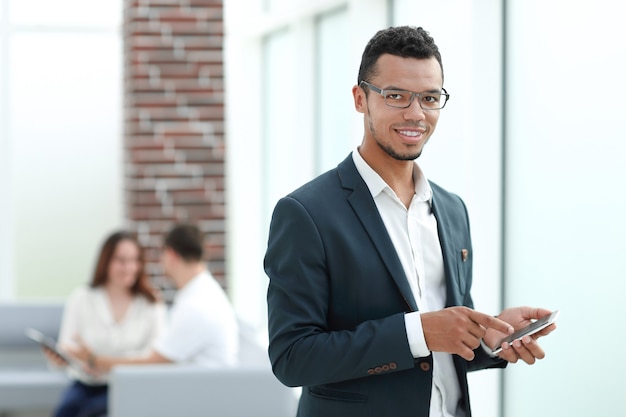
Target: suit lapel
point(363, 205)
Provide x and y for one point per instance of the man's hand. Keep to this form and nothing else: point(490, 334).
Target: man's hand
point(526, 349)
point(458, 330)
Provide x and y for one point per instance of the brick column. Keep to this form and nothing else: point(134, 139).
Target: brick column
point(174, 123)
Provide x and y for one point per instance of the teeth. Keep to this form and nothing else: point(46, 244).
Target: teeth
point(410, 133)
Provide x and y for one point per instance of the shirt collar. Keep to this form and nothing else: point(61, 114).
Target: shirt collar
point(377, 185)
point(189, 287)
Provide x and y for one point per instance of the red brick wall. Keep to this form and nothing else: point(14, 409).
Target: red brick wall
point(174, 123)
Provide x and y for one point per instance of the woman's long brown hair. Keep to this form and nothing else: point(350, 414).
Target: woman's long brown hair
point(101, 274)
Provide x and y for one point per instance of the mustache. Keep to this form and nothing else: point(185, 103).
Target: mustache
point(417, 125)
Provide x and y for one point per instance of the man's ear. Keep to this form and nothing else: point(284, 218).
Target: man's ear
point(360, 100)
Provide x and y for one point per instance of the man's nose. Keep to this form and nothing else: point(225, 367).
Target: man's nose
point(414, 111)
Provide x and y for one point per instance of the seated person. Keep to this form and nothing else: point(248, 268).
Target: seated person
point(202, 326)
point(118, 313)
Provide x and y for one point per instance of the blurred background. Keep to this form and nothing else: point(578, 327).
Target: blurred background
point(139, 114)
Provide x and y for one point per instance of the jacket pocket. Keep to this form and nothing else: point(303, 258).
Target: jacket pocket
point(329, 394)
point(463, 261)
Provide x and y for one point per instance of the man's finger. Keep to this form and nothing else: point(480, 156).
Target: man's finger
point(490, 322)
point(537, 313)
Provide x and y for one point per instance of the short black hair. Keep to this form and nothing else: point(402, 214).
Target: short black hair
point(402, 41)
point(187, 240)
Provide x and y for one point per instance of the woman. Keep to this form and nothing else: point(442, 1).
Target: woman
point(119, 313)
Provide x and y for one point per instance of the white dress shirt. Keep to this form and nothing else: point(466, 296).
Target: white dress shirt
point(88, 317)
point(413, 232)
point(202, 326)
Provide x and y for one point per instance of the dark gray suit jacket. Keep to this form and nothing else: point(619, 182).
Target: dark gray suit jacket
point(338, 294)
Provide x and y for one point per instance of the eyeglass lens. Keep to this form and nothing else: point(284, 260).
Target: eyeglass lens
point(400, 98)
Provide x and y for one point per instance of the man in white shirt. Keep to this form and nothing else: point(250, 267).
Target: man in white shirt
point(202, 326)
point(370, 264)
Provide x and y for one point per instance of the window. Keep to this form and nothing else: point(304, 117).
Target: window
point(61, 163)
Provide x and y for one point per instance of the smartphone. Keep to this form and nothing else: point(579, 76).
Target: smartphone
point(532, 328)
point(46, 342)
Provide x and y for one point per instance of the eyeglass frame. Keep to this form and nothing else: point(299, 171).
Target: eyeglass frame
point(381, 91)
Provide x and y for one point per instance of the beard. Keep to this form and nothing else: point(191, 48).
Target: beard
point(408, 155)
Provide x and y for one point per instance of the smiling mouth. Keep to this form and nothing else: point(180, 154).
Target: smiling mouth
point(411, 134)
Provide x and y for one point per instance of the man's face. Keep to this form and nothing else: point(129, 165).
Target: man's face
point(399, 133)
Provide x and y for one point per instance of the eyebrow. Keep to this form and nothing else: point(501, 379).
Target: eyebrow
point(392, 87)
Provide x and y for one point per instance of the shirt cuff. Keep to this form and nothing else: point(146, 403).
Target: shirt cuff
point(415, 334)
point(487, 349)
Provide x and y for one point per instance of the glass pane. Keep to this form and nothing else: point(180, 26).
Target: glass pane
point(284, 5)
point(287, 146)
point(565, 203)
point(83, 13)
point(335, 77)
point(65, 102)
point(5, 236)
point(278, 99)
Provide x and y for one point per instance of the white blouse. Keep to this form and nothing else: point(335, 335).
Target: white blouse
point(88, 318)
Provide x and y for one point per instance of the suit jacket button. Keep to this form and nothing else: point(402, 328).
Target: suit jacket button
point(370, 371)
point(425, 366)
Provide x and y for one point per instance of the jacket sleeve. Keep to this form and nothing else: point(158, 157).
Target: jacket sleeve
point(304, 349)
point(482, 360)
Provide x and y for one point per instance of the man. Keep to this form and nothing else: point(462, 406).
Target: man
point(202, 326)
point(370, 264)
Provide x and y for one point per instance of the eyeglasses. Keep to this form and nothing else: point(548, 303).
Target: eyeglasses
point(401, 99)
